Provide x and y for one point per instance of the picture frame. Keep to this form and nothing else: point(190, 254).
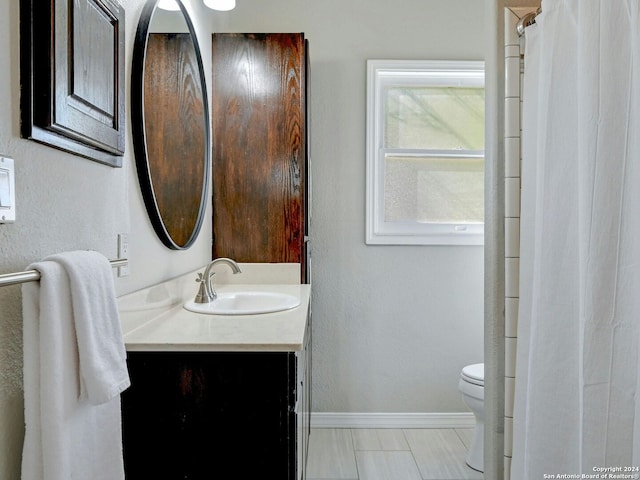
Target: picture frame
point(72, 76)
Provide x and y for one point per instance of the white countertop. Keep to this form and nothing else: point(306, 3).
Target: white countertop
point(153, 319)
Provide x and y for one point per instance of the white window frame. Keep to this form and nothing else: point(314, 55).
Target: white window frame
point(410, 72)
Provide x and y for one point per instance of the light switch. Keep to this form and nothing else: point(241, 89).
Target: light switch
point(7, 191)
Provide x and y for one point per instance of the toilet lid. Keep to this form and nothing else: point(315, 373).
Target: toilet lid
point(474, 373)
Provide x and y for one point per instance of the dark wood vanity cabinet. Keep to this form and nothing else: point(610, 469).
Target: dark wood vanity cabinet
point(260, 148)
point(216, 415)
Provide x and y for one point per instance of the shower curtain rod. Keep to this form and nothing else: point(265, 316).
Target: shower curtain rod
point(527, 20)
point(34, 275)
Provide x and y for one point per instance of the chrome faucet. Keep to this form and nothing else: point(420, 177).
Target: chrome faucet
point(206, 293)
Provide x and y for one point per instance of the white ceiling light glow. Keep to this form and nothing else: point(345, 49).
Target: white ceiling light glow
point(170, 5)
point(221, 5)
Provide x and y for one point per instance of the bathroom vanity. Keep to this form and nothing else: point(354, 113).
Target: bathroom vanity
point(215, 396)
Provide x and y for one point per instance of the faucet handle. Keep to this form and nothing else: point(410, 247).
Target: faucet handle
point(201, 278)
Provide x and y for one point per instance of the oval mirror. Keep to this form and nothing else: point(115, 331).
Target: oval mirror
point(170, 123)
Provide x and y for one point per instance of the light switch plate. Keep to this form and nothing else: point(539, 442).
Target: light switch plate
point(123, 252)
point(7, 190)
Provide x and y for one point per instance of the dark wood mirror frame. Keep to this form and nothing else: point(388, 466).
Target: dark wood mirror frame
point(173, 169)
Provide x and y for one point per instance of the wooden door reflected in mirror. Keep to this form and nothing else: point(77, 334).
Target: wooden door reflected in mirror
point(170, 124)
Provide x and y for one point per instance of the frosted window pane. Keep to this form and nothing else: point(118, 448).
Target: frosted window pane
point(434, 190)
point(438, 118)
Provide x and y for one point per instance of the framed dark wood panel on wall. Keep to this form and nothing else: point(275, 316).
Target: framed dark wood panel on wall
point(72, 76)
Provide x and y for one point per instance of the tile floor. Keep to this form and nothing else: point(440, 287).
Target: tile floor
point(389, 454)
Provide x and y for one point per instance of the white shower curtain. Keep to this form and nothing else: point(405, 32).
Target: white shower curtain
point(577, 401)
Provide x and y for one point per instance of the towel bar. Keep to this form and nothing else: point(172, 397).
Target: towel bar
point(33, 275)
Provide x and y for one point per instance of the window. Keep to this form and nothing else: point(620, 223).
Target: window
point(425, 152)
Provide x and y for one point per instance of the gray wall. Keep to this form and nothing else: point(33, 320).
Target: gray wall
point(393, 325)
point(65, 203)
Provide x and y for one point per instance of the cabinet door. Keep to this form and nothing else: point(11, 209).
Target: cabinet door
point(73, 76)
point(301, 437)
point(209, 416)
point(259, 152)
point(303, 404)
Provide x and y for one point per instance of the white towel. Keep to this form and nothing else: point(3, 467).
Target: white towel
point(74, 371)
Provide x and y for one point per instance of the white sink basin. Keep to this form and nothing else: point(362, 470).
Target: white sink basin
point(245, 303)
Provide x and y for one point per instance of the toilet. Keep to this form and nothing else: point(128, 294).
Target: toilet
point(471, 385)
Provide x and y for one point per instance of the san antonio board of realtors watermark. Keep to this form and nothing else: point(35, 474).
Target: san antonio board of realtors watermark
point(631, 473)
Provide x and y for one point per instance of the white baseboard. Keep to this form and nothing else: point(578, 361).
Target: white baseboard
point(392, 420)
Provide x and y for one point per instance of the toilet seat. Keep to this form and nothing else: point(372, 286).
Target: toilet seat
point(473, 374)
